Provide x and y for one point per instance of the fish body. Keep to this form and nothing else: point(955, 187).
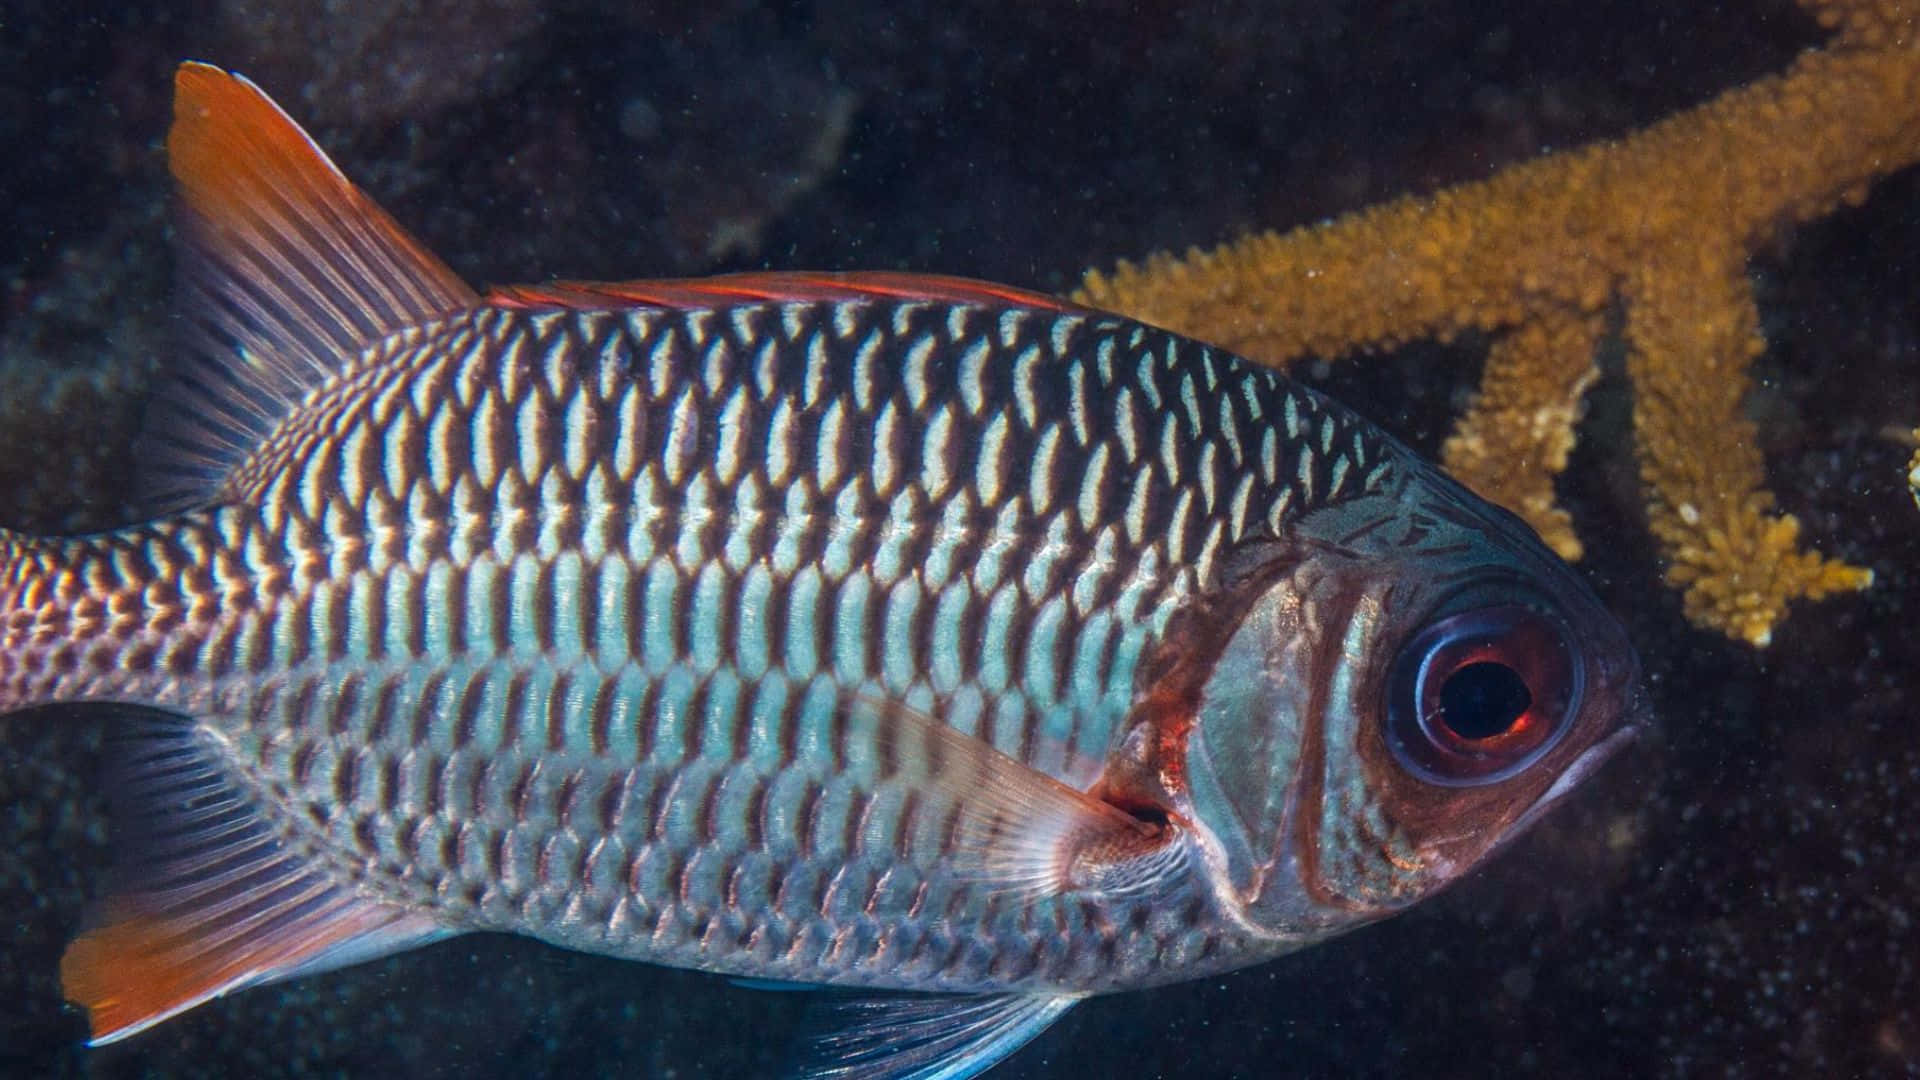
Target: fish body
point(874, 631)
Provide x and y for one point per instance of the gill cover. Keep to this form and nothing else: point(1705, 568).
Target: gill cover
point(1398, 704)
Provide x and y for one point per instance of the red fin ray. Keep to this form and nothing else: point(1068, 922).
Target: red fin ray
point(287, 272)
point(211, 901)
point(727, 289)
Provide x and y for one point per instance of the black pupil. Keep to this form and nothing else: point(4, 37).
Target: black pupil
point(1483, 699)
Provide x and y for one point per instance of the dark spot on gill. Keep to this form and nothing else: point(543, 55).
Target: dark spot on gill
point(1144, 812)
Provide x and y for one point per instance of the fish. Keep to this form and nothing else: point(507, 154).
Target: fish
point(944, 642)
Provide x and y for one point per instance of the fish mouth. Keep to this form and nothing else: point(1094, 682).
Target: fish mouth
point(1576, 773)
point(1636, 717)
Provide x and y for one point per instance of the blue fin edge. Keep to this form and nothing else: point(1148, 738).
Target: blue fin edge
point(917, 1037)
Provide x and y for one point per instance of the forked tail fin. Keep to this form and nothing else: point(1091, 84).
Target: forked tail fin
point(287, 273)
point(208, 899)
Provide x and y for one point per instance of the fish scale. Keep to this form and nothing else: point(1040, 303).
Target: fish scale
point(881, 631)
point(466, 670)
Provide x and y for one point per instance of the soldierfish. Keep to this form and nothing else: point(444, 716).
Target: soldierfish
point(878, 631)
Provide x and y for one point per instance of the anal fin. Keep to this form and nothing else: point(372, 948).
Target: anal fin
point(209, 900)
point(916, 1037)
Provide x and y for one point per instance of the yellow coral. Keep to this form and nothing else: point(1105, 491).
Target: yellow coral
point(1663, 221)
point(1913, 470)
point(1516, 437)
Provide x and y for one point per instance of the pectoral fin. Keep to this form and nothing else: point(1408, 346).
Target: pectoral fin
point(931, 1038)
point(1018, 831)
point(209, 900)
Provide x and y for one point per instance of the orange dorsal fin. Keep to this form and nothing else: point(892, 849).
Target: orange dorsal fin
point(210, 900)
point(287, 273)
point(771, 287)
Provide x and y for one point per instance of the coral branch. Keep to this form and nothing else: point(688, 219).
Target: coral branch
point(1516, 437)
point(1663, 221)
point(1694, 329)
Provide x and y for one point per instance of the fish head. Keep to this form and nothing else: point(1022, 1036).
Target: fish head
point(1410, 682)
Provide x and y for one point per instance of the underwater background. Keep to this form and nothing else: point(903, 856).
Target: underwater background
point(1734, 896)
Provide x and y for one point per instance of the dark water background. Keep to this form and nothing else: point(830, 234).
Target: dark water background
point(1735, 897)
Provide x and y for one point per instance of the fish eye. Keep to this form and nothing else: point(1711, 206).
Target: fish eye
point(1477, 696)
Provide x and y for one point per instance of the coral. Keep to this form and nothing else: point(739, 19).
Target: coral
point(1913, 470)
point(1661, 223)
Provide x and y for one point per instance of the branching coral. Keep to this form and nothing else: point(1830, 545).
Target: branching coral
point(1660, 222)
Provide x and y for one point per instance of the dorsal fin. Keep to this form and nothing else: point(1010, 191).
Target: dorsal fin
point(286, 270)
point(729, 289)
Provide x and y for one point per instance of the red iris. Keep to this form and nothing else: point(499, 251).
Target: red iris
point(1477, 696)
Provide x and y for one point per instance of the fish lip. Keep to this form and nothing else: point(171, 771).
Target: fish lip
point(1576, 773)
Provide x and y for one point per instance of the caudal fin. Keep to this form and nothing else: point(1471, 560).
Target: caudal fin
point(207, 899)
point(287, 272)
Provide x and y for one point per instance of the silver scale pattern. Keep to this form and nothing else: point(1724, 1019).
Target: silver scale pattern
point(548, 619)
